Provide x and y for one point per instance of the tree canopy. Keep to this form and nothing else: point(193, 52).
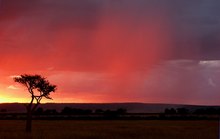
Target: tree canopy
point(37, 86)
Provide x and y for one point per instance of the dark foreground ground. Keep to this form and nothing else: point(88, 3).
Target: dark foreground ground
point(116, 129)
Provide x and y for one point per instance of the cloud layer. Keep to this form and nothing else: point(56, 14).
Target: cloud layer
point(124, 50)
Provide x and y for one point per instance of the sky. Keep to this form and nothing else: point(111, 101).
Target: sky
point(102, 51)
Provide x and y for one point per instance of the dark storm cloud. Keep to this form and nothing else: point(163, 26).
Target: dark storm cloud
point(31, 28)
point(80, 14)
point(90, 33)
point(196, 28)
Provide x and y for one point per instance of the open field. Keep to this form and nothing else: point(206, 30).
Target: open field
point(140, 129)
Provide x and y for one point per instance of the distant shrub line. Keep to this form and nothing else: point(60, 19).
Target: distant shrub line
point(68, 113)
point(198, 111)
point(77, 111)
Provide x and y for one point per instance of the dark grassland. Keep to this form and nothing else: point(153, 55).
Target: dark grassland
point(106, 129)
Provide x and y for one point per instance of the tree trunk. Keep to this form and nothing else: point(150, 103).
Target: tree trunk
point(29, 121)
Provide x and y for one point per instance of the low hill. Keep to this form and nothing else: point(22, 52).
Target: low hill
point(131, 107)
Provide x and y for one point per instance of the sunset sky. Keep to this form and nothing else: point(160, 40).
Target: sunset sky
point(153, 51)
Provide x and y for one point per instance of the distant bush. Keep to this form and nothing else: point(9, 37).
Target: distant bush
point(39, 111)
point(199, 111)
point(170, 111)
point(68, 111)
point(208, 111)
point(50, 112)
point(182, 111)
point(99, 111)
point(3, 110)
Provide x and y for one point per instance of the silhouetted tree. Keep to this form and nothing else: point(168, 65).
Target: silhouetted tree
point(182, 111)
point(66, 110)
point(121, 111)
point(39, 111)
point(3, 110)
point(50, 112)
point(39, 88)
point(211, 111)
point(75, 111)
point(170, 111)
point(99, 111)
point(114, 113)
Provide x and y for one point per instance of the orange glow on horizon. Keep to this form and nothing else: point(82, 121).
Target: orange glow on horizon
point(4, 99)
